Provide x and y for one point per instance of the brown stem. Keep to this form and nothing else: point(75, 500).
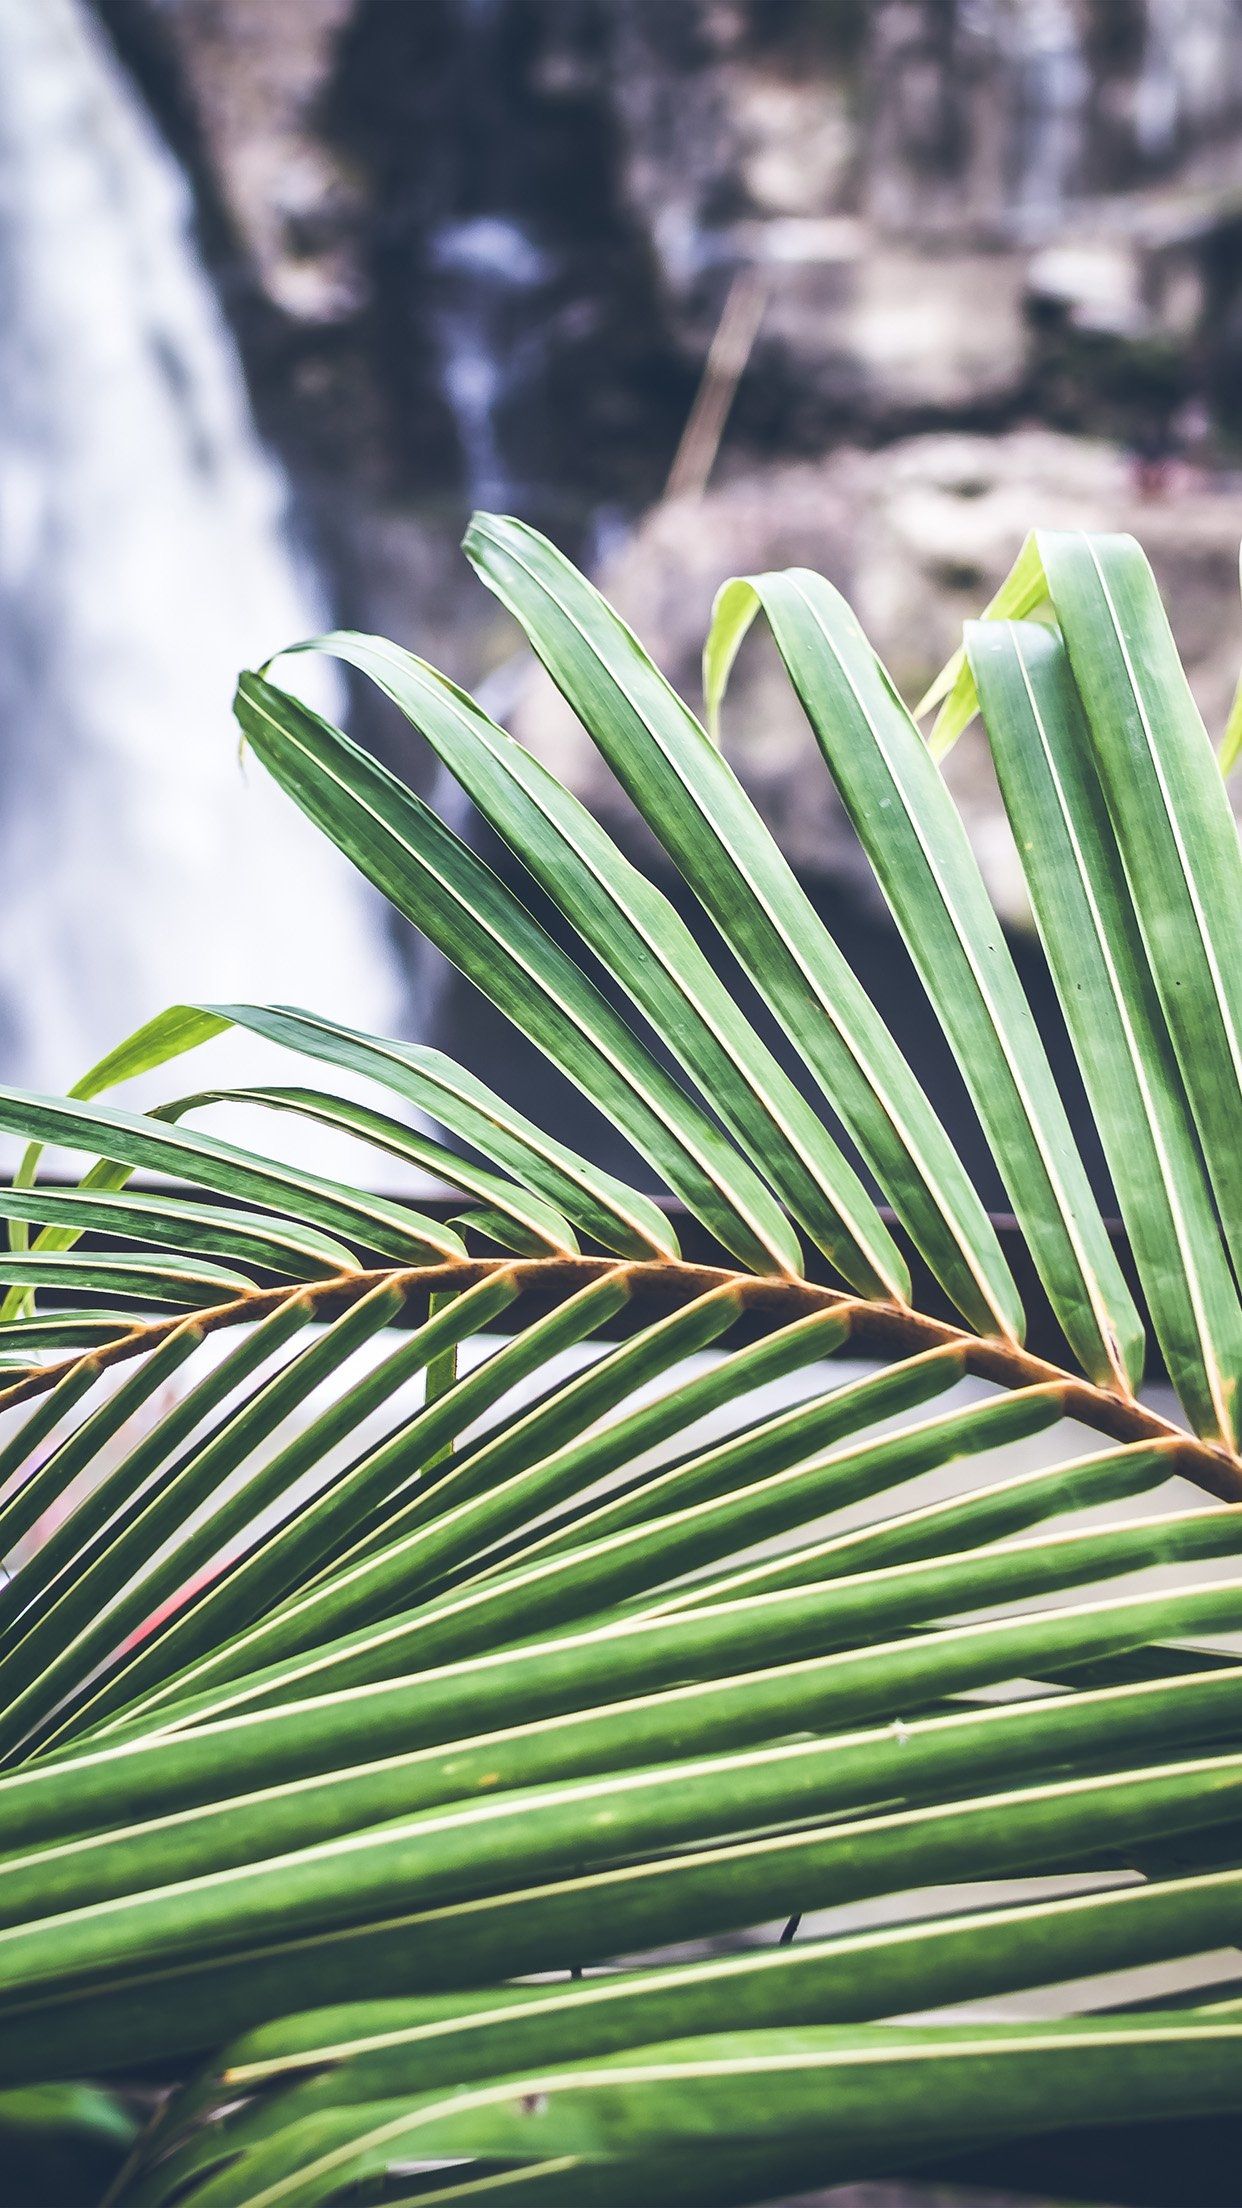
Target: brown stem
point(888, 1328)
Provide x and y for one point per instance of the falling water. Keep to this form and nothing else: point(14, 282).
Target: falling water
point(489, 276)
point(144, 556)
point(1190, 73)
point(486, 274)
point(482, 267)
point(1051, 84)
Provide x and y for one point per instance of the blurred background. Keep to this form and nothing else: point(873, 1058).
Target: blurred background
point(285, 290)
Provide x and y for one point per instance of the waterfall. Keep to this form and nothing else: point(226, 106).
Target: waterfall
point(1189, 80)
point(145, 555)
point(489, 278)
point(1050, 85)
point(482, 267)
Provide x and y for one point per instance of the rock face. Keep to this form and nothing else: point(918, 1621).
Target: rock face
point(479, 249)
point(256, 92)
point(522, 217)
point(897, 167)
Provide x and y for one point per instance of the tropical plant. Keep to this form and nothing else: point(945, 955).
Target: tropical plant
point(420, 1629)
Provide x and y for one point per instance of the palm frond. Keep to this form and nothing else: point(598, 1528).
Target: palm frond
point(400, 1613)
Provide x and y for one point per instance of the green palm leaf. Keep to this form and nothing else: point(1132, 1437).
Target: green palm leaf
point(1177, 836)
point(1072, 865)
point(390, 1624)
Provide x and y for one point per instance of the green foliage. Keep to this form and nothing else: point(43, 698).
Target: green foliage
point(402, 1615)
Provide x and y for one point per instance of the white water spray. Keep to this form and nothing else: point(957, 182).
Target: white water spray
point(144, 558)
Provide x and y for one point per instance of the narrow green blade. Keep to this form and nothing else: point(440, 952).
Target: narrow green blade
point(370, 2048)
point(144, 1048)
point(173, 1280)
point(603, 1207)
point(531, 1881)
point(132, 1139)
point(48, 1479)
point(1021, 595)
point(714, 2121)
point(24, 1441)
point(934, 1756)
point(981, 1516)
point(1231, 742)
point(1086, 920)
point(566, 1586)
point(536, 1230)
point(166, 1538)
point(276, 1557)
point(278, 1246)
point(1177, 835)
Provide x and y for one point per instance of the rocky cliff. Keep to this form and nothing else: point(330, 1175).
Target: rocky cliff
point(923, 183)
point(477, 251)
